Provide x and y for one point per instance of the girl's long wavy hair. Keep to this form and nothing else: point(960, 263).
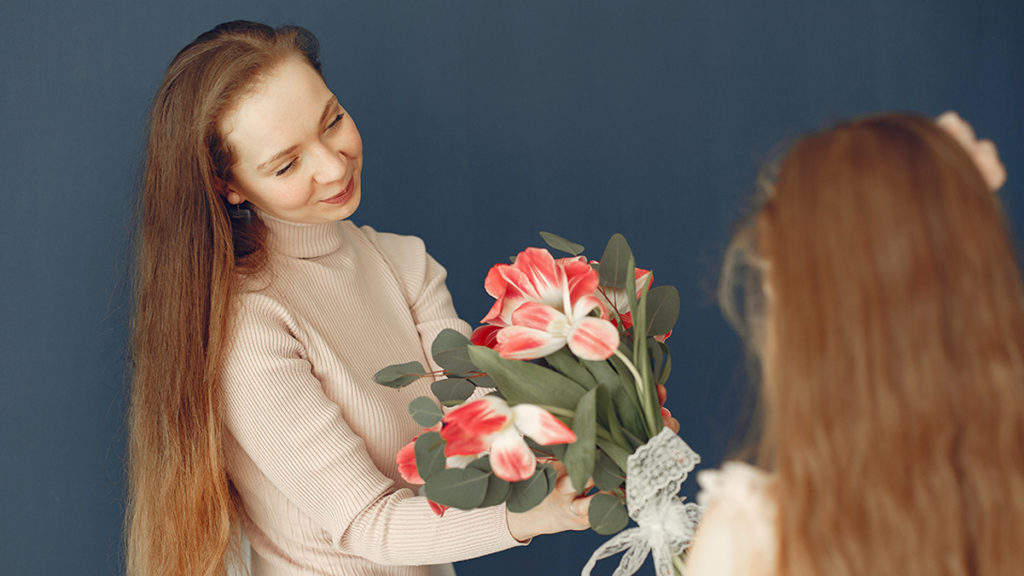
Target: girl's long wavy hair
point(885, 304)
point(181, 510)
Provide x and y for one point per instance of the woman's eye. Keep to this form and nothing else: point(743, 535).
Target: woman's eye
point(335, 122)
point(284, 170)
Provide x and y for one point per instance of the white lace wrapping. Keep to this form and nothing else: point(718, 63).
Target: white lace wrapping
point(665, 524)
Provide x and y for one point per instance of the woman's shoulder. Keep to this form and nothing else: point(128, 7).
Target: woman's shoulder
point(393, 245)
point(737, 532)
point(738, 486)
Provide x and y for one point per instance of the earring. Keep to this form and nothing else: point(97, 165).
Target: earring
point(240, 213)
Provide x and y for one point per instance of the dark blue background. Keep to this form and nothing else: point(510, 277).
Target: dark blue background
point(483, 122)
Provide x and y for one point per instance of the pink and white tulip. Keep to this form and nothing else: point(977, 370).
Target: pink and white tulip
point(542, 304)
point(490, 423)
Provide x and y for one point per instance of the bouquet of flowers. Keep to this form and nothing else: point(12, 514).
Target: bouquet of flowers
point(572, 356)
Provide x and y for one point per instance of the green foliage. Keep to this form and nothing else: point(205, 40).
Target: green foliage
point(430, 457)
point(497, 489)
point(556, 242)
point(452, 391)
point(462, 488)
point(607, 475)
point(425, 411)
point(616, 263)
point(579, 456)
point(662, 309)
point(399, 375)
point(607, 514)
point(567, 364)
point(527, 383)
point(449, 351)
point(528, 493)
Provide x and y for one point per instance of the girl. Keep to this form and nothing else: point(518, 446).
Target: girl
point(887, 312)
point(261, 315)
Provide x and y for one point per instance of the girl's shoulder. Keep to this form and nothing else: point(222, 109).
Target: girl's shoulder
point(737, 534)
point(740, 487)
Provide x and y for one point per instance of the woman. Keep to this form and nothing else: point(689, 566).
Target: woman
point(887, 313)
point(261, 315)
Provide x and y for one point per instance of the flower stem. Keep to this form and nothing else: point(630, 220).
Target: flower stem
point(643, 394)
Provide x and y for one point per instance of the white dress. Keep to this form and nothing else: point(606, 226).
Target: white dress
point(737, 534)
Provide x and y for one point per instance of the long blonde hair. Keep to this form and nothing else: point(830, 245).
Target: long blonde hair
point(888, 316)
point(181, 515)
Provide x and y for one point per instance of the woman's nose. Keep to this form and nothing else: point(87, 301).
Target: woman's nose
point(331, 165)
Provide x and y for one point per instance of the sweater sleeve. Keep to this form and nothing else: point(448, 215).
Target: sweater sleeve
point(276, 410)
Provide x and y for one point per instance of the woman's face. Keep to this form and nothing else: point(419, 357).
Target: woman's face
point(298, 155)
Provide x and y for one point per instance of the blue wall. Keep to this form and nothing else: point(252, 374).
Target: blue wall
point(483, 122)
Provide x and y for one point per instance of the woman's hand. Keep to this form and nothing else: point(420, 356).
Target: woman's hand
point(667, 419)
point(562, 510)
point(983, 152)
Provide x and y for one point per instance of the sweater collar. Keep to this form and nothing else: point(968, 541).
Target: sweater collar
point(302, 240)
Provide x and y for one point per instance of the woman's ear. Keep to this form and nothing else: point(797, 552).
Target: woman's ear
point(232, 195)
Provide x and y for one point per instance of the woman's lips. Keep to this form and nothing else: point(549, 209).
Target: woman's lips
point(343, 196)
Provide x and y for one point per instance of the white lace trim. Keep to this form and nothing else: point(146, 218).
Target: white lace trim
point(665, 524)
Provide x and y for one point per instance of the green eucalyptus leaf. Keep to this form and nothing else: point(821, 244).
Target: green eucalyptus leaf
point(430, 457)
point(449, 351)
point(667, 370)
point(452, 391)
point(399, 375)
point(462, 488)
point(657, 351)
point(525, 382)
point(425, 411)
point(557, 451)
point(528, 493)
point(561, 244)
point(607, 475)
point(607, 514)
point(616, 264)
point(482, 463)
point(627, 404)
point(662, 309)
point(566, 363)
point(484, 381)
point(497, 491)
point(618, 454)
point(552, 477)
point(579, 456)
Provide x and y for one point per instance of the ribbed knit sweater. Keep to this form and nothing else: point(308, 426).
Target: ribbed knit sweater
point(311, 439)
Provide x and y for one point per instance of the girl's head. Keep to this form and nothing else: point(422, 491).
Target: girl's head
point(199, 159)
point(888, 315)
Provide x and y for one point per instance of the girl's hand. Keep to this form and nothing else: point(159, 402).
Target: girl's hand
point(983, 152)
point(562, 510)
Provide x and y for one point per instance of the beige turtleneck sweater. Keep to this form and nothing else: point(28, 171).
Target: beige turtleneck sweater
point(311, 439)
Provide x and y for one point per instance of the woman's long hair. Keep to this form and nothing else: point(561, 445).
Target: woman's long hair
point(889, 320)
point(181, 516)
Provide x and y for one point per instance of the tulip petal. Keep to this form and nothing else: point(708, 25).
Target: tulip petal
point(511, 458)
point(544, 275)
point(438, 509)
point(538, 316)
point(467, 429)
point(485, 336)
point(593, 339)
point(406, 460)
point(521, 343)
point(541, 425)
point(581, 278)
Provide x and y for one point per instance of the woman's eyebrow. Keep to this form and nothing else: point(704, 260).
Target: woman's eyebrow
point(291, 149)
